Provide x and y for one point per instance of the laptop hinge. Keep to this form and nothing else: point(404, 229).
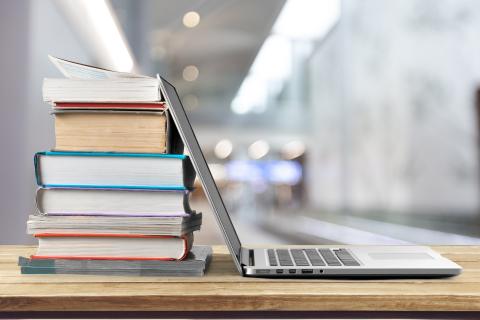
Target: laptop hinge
point(247, 257)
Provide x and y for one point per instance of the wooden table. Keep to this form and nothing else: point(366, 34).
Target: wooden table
point(223, 293)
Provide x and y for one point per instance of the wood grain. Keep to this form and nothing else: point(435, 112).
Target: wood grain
point(224, 290)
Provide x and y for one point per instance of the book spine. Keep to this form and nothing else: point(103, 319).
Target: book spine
point(174, 141)
point(187, 245)
point(94, 105)
point(188, 173)
point(120, 187)
point(111, 154)
point(36, 164)
point(37, 270)
point(111, 272)
point(39, 201)
point(99, 235)
point(34, 257)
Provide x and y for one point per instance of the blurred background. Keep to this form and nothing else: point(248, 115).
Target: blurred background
point(328, 121)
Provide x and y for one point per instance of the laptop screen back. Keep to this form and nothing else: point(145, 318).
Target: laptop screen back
point(198, 160)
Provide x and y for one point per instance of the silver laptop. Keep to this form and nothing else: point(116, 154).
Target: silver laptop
point(305, 261)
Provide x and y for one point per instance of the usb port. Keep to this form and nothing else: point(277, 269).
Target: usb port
point(279, 270)
point(263, 271)
point(307, 270)
point(292, 270)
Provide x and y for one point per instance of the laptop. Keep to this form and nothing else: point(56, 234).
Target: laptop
point(304, 261)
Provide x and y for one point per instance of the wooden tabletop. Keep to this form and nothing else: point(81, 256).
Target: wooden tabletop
point(224, 290)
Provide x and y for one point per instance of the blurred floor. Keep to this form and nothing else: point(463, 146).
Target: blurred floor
point(308, 227)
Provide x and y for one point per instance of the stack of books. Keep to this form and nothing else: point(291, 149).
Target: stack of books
point(114, 191)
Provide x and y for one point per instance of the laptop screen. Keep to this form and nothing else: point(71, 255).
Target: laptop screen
point(198, 160)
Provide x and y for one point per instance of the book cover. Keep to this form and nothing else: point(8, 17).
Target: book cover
point(132, 224)
point(158, 106)
point(195, 264)
point(107, 130)
point(104, 246)
point(111, 170)
point(113, 202)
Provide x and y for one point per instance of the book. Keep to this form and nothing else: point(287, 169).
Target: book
point(195, 264)
point(104, 90)
point(75, 70)
point(102, 170)
point(158, 106)
point(116, 131)
point(171, 226)
point(113, 195)
point(84, 83)
point(99, 246)
point(116, 202)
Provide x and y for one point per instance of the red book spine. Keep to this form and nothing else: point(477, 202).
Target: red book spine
point(34, 257)
point(99, 235)
point(100, 105)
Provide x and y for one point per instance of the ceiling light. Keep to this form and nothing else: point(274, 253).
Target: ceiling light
point(190, 73)
point(191, 19)
point(251, 95)
point(238, 106)
point(298, 20)
point(293, 149)
point(274, 59)
point(306, 19)
point(219, 172)
point(272, 66)
point(223, 149)
point(258, 149)
point(190, 101)
point(100, 16)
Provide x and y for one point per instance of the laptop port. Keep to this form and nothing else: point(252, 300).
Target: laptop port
point(292, 270)
point(263, 271)
point(279, 270)
point(308, 271)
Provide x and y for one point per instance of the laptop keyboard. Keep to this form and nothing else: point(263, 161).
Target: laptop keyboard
point(284, 258)
point(311, 257)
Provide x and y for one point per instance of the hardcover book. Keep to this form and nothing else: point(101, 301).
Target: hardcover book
point(102, 170)
point(157, 106)
point(99, 246)
point(116, 131)
point(115, 202)
point(194, 264)
point(101, 90)
point(113, 196)
point(76, 224)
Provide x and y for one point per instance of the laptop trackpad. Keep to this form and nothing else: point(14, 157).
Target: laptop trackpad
point(400, 256)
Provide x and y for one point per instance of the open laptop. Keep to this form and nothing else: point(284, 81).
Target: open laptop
point(307, 261)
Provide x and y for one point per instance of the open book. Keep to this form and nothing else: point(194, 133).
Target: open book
point(84, 83)
point(75, 70)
